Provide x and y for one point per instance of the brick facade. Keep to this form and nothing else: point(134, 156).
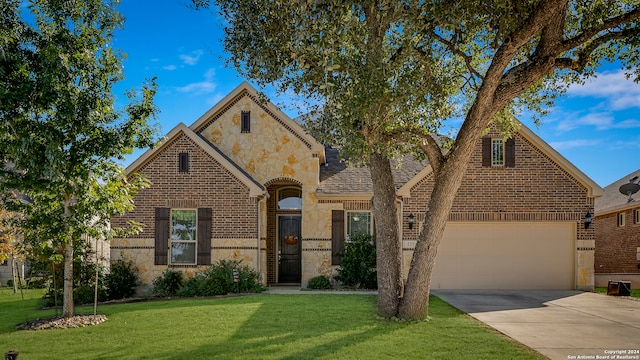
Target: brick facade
point(206, 185)
point(617, 247)
point(536, 189)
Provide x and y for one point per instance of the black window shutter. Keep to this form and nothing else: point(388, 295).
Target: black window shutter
point(161, 236)
point(183, 162)
point(337, 236)
point(204, 236)
point(510, 153)
point(486, 151)
point(245, 118)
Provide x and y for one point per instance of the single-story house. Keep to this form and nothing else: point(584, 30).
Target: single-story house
point(617, 231)
point(245, 181)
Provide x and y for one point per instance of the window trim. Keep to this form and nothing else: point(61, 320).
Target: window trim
point(171, 240)
point(622, 219)
point(636, 216)
point(245, 121)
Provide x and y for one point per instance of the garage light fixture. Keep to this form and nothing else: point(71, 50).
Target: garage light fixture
point(411, 219)
point(588, 219)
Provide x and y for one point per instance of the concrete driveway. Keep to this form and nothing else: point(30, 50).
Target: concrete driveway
point(558, 324)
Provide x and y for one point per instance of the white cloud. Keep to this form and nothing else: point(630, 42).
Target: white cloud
point(192, 58)
point(619, 92)
point(169, 67)
point(602, 121)
point(570, 144)
point(202, 87)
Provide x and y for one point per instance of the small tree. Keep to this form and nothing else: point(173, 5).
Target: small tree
point(60, 131)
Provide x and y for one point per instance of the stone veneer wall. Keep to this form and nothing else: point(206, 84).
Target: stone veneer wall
point(207, 184)
point(536, 189)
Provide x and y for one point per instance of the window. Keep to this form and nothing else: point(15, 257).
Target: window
point(358, 222)
point(636, 216)
point(497, 152)
point(621, 219)
point(290, 199)
point(183, 236)
point(183, 162)
point(245, 120)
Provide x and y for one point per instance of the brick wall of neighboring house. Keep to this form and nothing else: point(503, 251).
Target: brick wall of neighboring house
point(206, 185)
point(617, 247)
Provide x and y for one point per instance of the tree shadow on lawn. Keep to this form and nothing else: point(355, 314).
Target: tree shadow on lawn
point(282, 330)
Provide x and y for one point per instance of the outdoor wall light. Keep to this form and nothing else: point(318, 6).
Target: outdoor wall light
point(411, 219)
point(588, 219)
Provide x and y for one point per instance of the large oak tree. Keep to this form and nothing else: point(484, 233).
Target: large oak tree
point(60, 130)
point(392, 75)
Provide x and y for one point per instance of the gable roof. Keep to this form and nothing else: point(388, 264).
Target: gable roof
point(339, 179)
point(255, 188)
point(593, 189)
point(246, 90)
point(613, 200)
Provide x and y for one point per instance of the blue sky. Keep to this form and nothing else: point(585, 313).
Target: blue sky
point(595, 126)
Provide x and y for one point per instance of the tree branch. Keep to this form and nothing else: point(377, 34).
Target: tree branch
point(452, 47)
point(431, 148)
point(609, 24)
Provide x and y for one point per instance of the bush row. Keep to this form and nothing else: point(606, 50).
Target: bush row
point(218, 279)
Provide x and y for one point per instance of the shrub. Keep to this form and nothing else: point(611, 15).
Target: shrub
point(121, 282)
point(358, 267)
point(36, 282)
point(320, 283)
point(168, 283)
point(85, 294)
point(218, 280)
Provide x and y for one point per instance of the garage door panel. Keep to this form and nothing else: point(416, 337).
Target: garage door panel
point(506, 256)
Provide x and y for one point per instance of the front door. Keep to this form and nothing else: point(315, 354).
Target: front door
point(289, 249)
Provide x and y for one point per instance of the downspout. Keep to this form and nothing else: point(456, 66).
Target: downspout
point(258, 258)
point(400, 241)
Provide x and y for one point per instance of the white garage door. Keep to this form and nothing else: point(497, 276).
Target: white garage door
point(506, 256)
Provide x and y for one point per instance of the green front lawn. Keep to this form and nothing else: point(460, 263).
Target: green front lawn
point(634, 292)
point(254, 327)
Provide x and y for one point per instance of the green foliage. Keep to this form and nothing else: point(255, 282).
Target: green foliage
point(319, 283)
point(358, 266)
point(168, 284)
point(60, 129)
point(84, 279)
point(37, 282)
point(218, 280)
point(121, 282)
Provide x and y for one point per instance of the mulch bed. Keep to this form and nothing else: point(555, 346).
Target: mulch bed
point(59, 322)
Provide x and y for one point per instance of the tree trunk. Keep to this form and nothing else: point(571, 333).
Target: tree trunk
point(388, 255)
point(67, 292)
point(415, 303)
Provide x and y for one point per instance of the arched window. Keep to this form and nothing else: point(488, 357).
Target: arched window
point(290, 199)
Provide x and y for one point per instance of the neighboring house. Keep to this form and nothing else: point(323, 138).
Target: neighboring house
point(617, 231)
point(245, 181)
